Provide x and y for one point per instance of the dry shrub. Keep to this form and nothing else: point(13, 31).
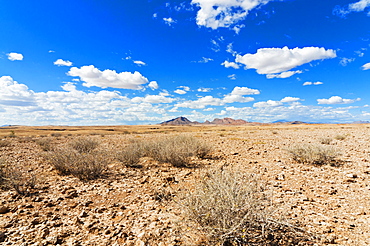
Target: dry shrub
point(176, 150)
point(340, 137)
point(233, 210)
point(326, 140)
point(4, 143)
point(45, 144)
point(132, 153)
point(13, 176)
point(314, 154)
point(84, 144)
point(85, 166)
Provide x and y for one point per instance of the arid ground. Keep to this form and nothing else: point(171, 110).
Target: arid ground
point(140, 206)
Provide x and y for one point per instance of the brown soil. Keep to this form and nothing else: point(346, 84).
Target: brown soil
point(136, 206)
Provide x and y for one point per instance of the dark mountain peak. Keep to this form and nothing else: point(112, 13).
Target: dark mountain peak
point(178, 121)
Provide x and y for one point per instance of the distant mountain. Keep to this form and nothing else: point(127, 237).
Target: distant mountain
point(226, 121)
point(361, 122)
point(184, 121)
point(178, 121)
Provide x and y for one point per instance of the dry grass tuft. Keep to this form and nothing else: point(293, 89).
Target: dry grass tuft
point(314, 154)
point(176, 150)
point(326, 140)
point(5, 143)
point(15, 177)
point(233, 210)
point(84, 144)
point(45, 144)
point(85, 166)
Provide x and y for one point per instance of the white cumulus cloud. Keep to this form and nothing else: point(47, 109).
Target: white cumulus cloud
point(244, 91)
point(228, 64)
point(140, 63)
point(269, 103)
point(108, 78)
point(61, 62)
point(179, 91)
point(337, 100)
point(283, 75)
point(360, 5)
point(224, 13)
point(289, 99)
point(153, 85)
point(279, 60)
point(313, 83)
point(169, 21)
point(15, 56)
point(366, 66)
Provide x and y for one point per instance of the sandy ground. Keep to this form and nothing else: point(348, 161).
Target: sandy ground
point(133, 206)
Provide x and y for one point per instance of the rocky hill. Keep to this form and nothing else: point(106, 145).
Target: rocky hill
point(184, 121)
point(178, 121)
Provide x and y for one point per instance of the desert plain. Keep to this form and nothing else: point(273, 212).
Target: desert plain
point(138, 205)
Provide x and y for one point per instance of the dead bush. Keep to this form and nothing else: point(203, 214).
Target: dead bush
point(13, 176)
point(314, 154)
point(132, 153)
point(176, 150)
point(326, 140)
point(4, 143)
point(45, 144)
point(84, 144)
point(233, 210)
point(340, 137)
point(85, 166)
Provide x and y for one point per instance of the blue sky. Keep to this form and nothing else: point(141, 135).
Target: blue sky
point(146, 61)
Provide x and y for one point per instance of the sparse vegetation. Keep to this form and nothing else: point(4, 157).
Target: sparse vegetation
point(176, 150)
point(13, 176)
point(45, 144)
point(4, 143)
point(85, 166)
point(314, 154)
point(233, 210)
point(325, 140)
point(340, 137)
point(84, 144)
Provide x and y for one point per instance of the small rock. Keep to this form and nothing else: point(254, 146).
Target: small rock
point(2, 236)
point(4, 209)
point(83, 214)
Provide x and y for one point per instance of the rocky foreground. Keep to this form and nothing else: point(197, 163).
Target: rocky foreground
point(137, 206)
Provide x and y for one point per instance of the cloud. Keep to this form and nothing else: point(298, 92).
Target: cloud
point(366, 66)
point(353, 7)
point(359, 6)
point(181, 92)
point(290, 99)
point(235, 96)
point(13, 93)
point(204, 89)
point(269, 103)
point(161, 98)
point(344, 61)
point(228, 64)
point(244, 91)
point(224, 13)
point(169, 21)
point(153, 85)
point(313, 83)
point(337, 100)
point(15, 56)
point(108, 78)
point(205, 60)
point(232, 76)
point(140, 63)
point(279, 60)
point(283, 75)
point(61, 62)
